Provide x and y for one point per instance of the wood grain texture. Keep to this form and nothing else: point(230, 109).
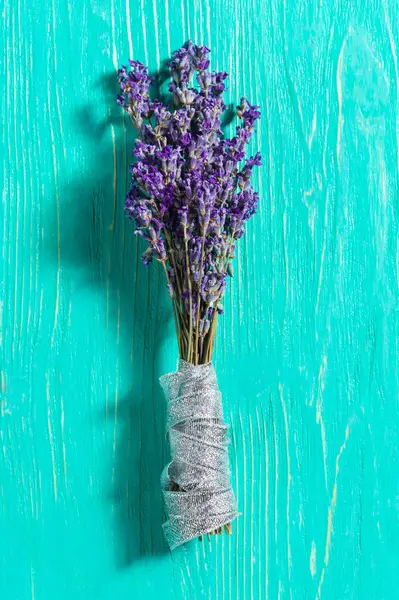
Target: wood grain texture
point(307, 352)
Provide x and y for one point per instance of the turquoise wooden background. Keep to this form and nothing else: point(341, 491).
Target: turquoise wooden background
point(307, 352)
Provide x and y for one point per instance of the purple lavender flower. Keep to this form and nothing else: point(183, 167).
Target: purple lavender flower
point(191, 192)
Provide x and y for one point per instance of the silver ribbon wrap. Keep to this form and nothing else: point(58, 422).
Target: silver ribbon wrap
point(199, 448)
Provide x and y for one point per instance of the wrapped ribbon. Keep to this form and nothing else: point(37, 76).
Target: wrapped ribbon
point(196, 483)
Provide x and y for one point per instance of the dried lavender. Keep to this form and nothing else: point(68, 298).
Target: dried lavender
point(191, 192)
point(190, 198)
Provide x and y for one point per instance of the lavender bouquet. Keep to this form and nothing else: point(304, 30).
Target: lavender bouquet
point(190, 198)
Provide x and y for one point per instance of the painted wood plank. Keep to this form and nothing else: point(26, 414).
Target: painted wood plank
point(307, 351)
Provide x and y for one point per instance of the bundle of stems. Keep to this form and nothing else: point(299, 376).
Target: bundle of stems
point(194, 348)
